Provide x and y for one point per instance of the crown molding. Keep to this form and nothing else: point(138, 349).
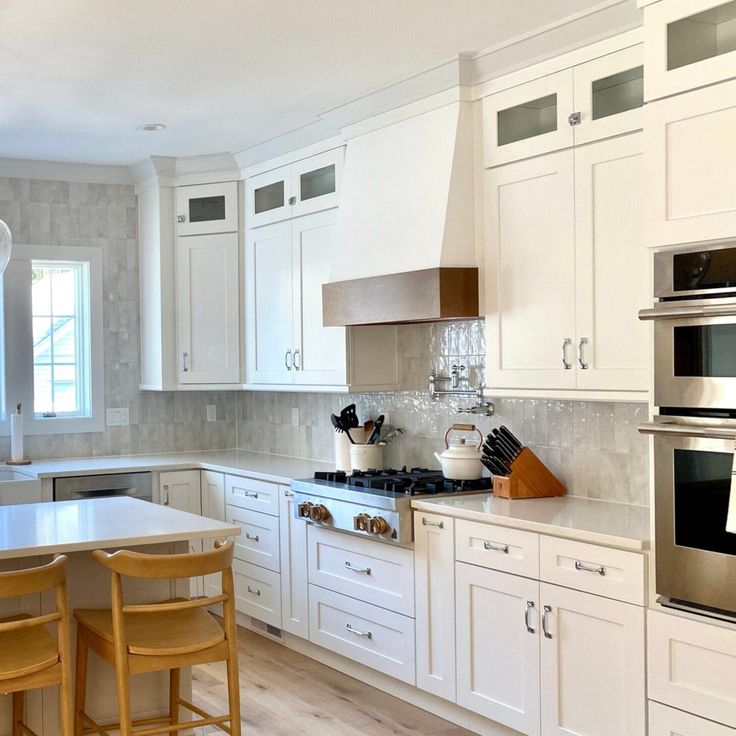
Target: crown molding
point(19, 168)
point(173, 171)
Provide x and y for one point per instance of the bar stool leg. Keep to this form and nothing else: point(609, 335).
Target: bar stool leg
point(233, 693)
point(174, 687)
point(18, 707)
point(80, 690)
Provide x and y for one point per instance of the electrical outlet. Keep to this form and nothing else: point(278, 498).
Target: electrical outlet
point(295, 416)
point(211, 412)
point(119, 417)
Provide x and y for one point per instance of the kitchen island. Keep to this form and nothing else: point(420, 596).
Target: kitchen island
point(31, 533)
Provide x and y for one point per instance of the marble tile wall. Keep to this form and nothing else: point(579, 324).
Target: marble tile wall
point(593, 447)
point(104, 216)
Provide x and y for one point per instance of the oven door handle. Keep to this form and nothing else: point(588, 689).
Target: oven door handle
point(688, 430)
point(670, 312)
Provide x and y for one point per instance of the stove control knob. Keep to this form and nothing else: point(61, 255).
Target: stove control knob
point(319, 512)
point(361, 522)
point(378, 525)
point(305, 510)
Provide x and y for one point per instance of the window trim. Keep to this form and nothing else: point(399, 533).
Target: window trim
point(18, 363)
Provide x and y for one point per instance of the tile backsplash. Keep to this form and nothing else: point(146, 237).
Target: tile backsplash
point(593, 447)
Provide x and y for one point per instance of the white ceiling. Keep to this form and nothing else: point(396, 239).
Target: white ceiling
point(77, 77)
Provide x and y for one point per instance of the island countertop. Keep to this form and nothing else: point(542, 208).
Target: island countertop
point(587, 520)
point(32, 529)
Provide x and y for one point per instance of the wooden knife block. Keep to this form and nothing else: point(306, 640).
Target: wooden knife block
point(529, 478)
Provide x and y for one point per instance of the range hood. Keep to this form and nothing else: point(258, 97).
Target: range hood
point(406, 248)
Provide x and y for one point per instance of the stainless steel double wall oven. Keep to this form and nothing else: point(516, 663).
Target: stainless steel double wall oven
point(694, 431)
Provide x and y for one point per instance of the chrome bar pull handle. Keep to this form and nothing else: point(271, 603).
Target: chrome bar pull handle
point(545, 627)
point(362, 570)
point(581, 357)
point(256, 591)
point(599, 569)
point(184, 366)
point(166, 497)
point(438, 524)
point(565, 345)
point(297, 364)
point(365, 634)
point(252, 537)
point(496, 547)
point(287, 360)
point(527, 617)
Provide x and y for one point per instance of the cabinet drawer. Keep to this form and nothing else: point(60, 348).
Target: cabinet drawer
point(600, 570)
point(376, 573)
point(259, 540)
point(497, 547)
point(256, 495)
point(377, 638)
point(664, 721)
point(692, 665)
point(257, 592)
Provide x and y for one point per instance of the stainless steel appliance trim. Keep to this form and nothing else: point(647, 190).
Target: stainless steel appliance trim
point(137, 485)
point(689, 430)
point(726, 308)
point(663, 271)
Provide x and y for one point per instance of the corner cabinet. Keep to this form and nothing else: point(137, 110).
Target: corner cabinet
point(567, 273)
point(287, 262)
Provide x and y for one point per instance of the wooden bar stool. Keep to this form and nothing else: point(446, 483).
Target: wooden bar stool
point(161, 636)
point(29, 656)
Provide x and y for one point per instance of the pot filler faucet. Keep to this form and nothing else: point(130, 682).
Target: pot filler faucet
point(482, 406)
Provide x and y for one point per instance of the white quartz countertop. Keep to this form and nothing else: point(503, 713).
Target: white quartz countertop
point(102, 523)
point(273, 468)
point(586, 520)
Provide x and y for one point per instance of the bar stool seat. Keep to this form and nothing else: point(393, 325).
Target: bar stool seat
point(25, 651)
point(164, 634)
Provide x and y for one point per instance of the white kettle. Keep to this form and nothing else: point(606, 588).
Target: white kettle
point(461, 461)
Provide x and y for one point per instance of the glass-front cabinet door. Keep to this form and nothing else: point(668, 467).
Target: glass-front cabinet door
point(315, 182)
point(609, 95)
point(268, 197)
point(207, 209)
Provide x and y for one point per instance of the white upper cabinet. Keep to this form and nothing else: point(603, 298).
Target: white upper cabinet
point(593, 100)
point(688, 44)
point(529, 119)
point(207, 208)
point(208, 309)
point(609, 95)
point(690, 164)
point(612, 267)
point(309, 185)
point(530, 271)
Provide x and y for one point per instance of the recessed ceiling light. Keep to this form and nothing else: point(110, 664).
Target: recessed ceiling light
point(152, 127)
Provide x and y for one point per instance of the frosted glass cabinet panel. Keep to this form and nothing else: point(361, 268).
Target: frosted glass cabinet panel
point(207, 209)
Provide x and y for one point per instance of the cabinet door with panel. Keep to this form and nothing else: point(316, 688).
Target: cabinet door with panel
point(270, 344)
point(294, 585)
point(664, 721)
point(690, 159)
point(612, 266)
point(609, 95)
point(593, 665)
point(529, 119)
point(268, 197)
point(207, 208)
point(315, 182)
point(208, 309)
point(181, 490)
point(689, 44)
point(530, 298)
point(498, 646)
point(319, 352)
point(434, 584)
point(213, 507)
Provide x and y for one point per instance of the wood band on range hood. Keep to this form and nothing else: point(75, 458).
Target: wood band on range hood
point(414, 296)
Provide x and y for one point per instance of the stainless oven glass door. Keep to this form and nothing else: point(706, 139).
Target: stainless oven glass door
point(695, 362)
point(695, 553)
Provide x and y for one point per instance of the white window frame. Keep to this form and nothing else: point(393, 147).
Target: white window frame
point(17, 341)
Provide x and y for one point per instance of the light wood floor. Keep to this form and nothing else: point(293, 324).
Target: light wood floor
point(284, 693)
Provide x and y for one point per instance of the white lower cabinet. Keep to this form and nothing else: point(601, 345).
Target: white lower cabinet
point(294, 586)
point(373, 636)
point(692, 665)
point(592, 665)
point(498, 646)
point(664, 721)
point(257, 592)
point(213, 507)
point(258, 542)
point(434, 570)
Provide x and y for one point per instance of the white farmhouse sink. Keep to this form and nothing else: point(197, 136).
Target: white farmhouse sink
point(18, 487)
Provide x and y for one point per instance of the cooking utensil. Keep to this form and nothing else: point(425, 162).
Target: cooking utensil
point(461, 461)
point(376, 433)
point(498, 450)
point(508, 447)
point(507, 434)
point(339, 427)
point(348, 417)
point(368, 427)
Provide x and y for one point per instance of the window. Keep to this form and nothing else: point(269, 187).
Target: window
point(53, 338)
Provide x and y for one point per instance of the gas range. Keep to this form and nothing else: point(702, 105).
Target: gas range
point(374, 503)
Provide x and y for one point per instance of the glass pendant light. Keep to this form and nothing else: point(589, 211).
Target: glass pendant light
point(6, 242)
